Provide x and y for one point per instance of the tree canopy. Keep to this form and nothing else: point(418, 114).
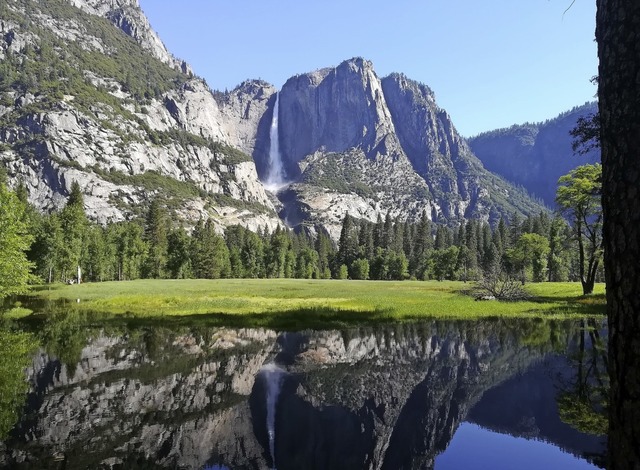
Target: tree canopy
point(14, 242)
point(578, 196)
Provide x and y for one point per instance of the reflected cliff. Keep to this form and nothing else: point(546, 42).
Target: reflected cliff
point(377, 398)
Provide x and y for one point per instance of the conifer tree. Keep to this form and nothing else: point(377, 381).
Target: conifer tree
point(156, 230)
point(179, 254)
point(74, 224)
point(348, 245)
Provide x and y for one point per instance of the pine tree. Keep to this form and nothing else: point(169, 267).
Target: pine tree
point(348, 245)
point(178, 254)
point(324, 247)
point(209, 253)
point(97, 264)
point(387, 232)
point(252, 255)
point(156, 231)
point(74, 224)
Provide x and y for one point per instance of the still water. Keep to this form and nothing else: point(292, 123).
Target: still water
point(435, 395)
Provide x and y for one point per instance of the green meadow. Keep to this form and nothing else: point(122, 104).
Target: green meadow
point(295, 303)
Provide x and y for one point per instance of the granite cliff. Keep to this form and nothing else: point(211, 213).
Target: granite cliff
point(353, 142)
point(90, 93)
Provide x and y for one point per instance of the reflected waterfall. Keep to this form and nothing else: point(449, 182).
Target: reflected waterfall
point(273, 376)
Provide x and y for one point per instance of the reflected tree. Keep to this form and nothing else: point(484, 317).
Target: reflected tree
point(16, 349)
point(582, 404)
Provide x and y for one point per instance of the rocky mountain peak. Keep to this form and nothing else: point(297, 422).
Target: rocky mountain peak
point(349, 141)
point(129, 18)
point(334, 110)
point(353, 142)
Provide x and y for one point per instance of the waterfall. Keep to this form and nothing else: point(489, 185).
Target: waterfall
point(273, 376)
point(275, 173)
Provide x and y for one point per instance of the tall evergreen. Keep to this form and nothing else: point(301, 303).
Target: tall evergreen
point(179, 254)
point(209, 253)
point(348, 245)
point(73, 224)
point(325, 250)
point(252, 255)
point(130, 250)
point(156, 231)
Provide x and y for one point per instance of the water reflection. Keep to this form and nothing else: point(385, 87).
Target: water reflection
point(385, 397)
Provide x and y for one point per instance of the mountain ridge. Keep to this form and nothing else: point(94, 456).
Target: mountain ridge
point(347, 146)
point(535, 155)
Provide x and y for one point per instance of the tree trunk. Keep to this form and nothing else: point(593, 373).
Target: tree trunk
point(618, 36)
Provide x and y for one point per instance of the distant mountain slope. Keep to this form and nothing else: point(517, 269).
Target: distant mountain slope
point(534, 155)
point(88, 92)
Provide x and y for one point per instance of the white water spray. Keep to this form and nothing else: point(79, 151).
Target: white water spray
point(275, 173)
point(273, 376)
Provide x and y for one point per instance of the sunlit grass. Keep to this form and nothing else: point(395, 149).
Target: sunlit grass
point(330, 299)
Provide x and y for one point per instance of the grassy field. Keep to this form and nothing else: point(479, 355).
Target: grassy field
point(291, 303)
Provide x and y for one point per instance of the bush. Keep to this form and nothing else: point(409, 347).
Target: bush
point(500, 285)
point(360, 269)
point(343, 272)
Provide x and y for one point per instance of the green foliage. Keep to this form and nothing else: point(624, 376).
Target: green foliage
point(179, 254)
point(152, 181)
point(15, 240)
point(73, 226)
point(130, 249)
point(343, 272)
point(360, 269)
point(334, 174)
point(531, 250)
point(444, 262)
point(578, 196)
point(156, 230)
point(579, 191)
point(579, 413)
point(586, 134)
point(97, 265)
point(228, 201)
point(56, 67)
point(209, 253)
point(64, 336)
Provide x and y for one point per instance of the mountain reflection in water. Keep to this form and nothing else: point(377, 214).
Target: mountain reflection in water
point(377, 398)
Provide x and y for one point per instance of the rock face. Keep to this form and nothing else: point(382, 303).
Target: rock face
point(123, 139)
point(353, 142)
point(390, 397)
point(535, 155)
point(91, 94)
point(128, 17)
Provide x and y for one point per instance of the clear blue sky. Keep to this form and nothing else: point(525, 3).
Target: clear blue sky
point(491, 63)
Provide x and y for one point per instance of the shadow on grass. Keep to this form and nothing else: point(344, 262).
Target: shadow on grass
point(587, 305)
point(593, 304)
point(309, 318)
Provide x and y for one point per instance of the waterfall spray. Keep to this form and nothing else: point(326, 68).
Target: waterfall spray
point(275, 173)
point(273, 376)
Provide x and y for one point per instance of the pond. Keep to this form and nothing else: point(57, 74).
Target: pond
point(433, 395)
